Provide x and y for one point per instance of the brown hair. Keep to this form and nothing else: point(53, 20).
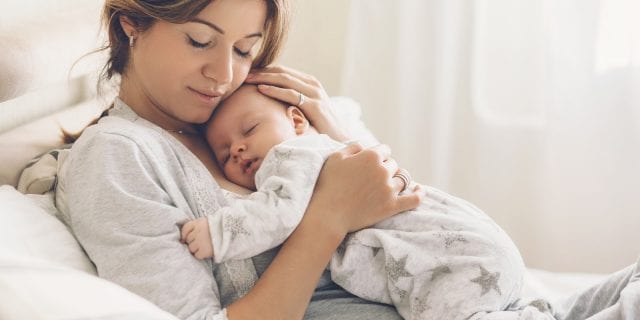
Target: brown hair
point(143, 13)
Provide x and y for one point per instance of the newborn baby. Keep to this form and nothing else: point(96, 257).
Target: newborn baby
point(445, 259)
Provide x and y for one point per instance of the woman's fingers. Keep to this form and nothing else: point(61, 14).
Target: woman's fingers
point(398, 184)
point(351, 149)
point(308, 79)
point(409, 201)
point(383, 151)
point(289, 96)
point(283, 80)
point(286, 78)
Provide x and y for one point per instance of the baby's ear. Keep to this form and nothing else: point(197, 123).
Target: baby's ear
point(298, 120)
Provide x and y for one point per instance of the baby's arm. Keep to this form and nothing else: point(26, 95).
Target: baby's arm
point(263, 220)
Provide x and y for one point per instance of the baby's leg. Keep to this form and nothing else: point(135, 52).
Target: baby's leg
point(432, 264)
point(422, 285)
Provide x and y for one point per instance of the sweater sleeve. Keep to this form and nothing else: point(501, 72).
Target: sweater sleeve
point(128, 224)
point(264, 219)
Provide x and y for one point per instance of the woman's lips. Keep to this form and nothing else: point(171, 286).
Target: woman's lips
point(208, 97)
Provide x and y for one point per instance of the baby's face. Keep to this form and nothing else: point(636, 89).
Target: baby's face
point(243, 130)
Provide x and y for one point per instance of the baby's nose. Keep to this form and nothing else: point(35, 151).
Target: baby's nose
point(237, 149)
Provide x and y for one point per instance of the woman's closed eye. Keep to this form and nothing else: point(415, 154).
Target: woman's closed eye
point(203, 45)
point(197, 44)
point(242, 54)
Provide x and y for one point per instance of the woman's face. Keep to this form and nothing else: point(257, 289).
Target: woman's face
point(184, 70)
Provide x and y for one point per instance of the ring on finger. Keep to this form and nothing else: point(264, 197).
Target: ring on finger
point(301, 99)
point(403, 175)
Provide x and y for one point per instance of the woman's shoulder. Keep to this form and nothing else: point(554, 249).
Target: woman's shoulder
point(112, 131)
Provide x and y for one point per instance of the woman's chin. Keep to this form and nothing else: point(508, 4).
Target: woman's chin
point(198, 116)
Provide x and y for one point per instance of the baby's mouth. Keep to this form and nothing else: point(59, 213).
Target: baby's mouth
point(246, 165)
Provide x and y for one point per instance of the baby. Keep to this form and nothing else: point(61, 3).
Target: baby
point(445, 259)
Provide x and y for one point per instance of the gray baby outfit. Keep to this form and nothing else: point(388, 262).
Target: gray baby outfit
point(445, 259)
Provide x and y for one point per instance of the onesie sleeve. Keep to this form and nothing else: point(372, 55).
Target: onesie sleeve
point(264, 219)
point(128, 224)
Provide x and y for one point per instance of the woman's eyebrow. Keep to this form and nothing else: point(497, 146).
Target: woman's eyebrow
point(214, 27)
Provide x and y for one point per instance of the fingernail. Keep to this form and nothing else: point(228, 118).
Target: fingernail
point(263, 87)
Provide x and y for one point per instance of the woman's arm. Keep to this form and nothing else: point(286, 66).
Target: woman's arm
point(354, 190)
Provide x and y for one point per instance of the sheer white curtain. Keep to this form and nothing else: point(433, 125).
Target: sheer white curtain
point(529, 109)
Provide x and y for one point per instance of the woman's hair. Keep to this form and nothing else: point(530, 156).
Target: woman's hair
point(144, 13)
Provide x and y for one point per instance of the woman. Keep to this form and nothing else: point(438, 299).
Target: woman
point(141, 172)
point(134, 178)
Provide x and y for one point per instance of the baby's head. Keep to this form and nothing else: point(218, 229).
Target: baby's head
point(245, 127)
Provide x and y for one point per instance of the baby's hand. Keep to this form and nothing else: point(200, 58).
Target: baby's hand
point(195, 233)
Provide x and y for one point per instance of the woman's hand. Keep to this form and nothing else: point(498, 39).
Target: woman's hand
point(356, 189)
point(304, 91)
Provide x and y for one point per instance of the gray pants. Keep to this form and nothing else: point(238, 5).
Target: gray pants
point(615, 298)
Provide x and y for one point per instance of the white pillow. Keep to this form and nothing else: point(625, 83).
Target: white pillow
point(45, 274)
point(30, 229)
point(34, 290)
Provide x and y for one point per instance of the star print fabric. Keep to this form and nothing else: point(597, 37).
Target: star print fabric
point(444, 260)
point(262, 220)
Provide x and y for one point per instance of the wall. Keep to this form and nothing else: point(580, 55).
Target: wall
point(564, 218)
point(316, 40)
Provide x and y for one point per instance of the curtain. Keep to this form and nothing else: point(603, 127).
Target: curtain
point(528, 109)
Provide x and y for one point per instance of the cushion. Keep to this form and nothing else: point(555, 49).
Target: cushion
point(38, 290)
point(45, 274)
point(29, 228)
point(28, 141)
point(39, 176)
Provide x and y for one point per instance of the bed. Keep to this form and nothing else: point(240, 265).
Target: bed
point(44, 273)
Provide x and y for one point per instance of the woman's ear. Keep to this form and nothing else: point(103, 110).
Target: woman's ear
point(298, 120)
point(128, 27)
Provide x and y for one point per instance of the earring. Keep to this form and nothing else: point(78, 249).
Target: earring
point(132, 39)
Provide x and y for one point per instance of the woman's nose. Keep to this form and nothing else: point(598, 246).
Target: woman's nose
point(220, 69)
